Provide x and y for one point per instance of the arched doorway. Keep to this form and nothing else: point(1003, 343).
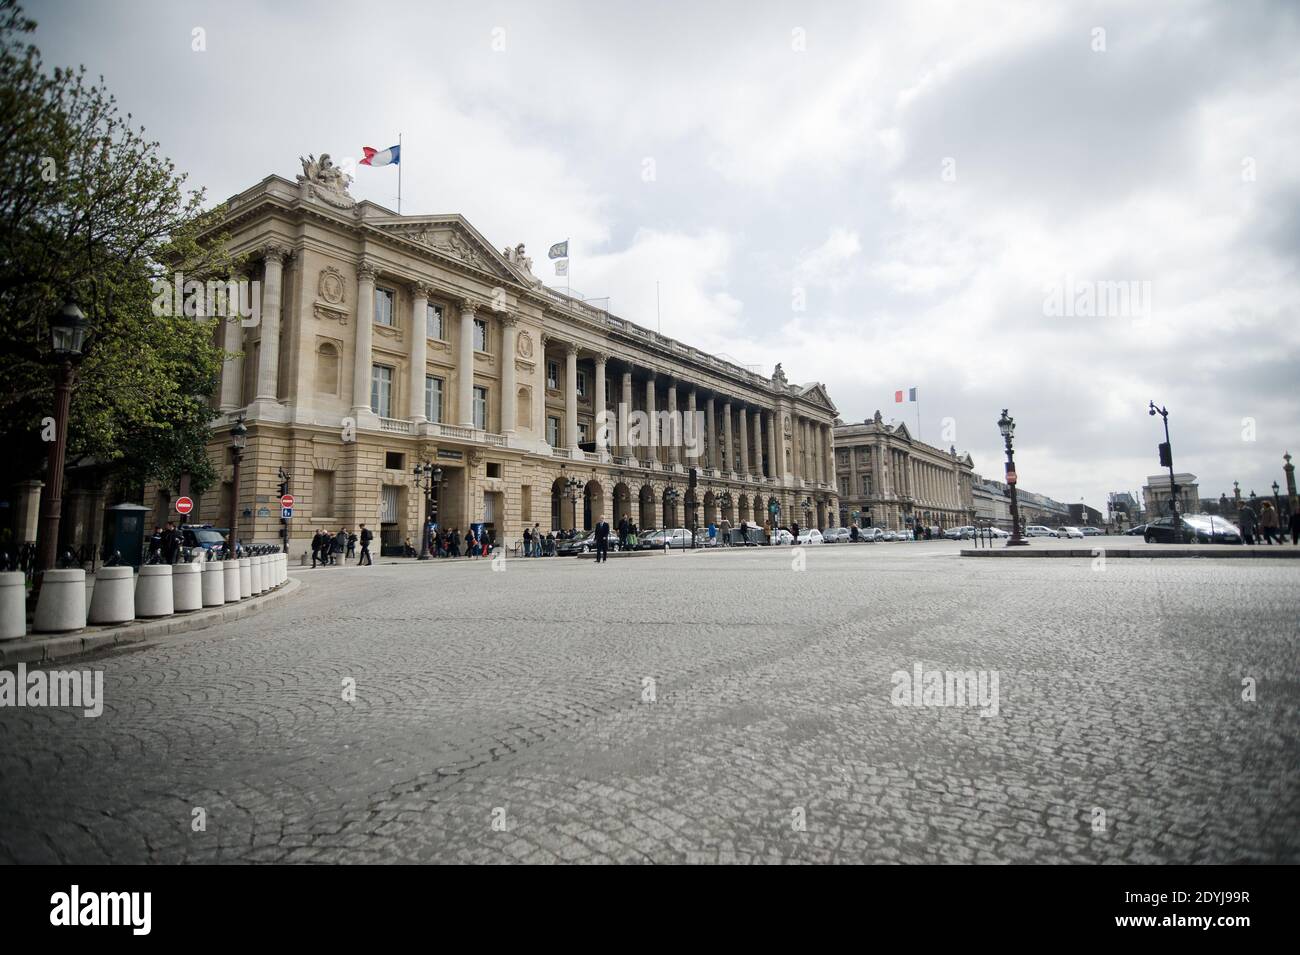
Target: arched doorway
point(710, 508)
point(726, 507)
point(758, 510)
point(562, 508)
point(646, 519)
point(821, 515)
point(593, 504)
point(622, 504)
point(670, 510)
point(742, 508)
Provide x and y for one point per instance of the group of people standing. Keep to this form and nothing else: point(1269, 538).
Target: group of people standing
point(1266, 527)
point(447, 543)
point(537, 544)
point(330, 548)
point(165, 545)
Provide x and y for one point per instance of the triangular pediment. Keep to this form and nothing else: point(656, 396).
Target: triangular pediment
point(900, 429)
point(816, 392)
point(453, 237)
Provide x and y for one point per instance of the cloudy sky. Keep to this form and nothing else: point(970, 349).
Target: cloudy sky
point(879, 196)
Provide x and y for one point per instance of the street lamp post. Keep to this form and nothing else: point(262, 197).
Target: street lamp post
point(1007, 425)
point(1167, 459)
point(1277, 500)
point(427, 477)
point(67, 336)
point(238, 441)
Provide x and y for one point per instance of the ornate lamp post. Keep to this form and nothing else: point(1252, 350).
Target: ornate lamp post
point(67, 337)
point(238, 441)
point(1167, 459)
point(1277, 499)
point(1236, 497)
point(427, 477)
point(807, 506)
point(1289, 470)
point(572, 489)
point(1007, 425)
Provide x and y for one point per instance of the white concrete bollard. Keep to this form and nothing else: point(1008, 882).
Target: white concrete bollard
point(62, 604)
point(214, 586)
point(230, 580)
point(13, 605)
point(259, 574)
point(245, 577)
point(114, 598)
point(187, 587)
point(284, 568)
point(153, 591)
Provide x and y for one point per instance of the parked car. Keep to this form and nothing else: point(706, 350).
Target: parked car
point(871, 534)
point(782, 536)
point(1038, 530)
point(583, 545)
point(1090, 531)
point(811, 536)
point(205, 537)
point(1069, 532)
point(675, 538)
point(702, 538)
point(905, 535)
point(1139, 531)
point(836, 535)
point(1197, 528)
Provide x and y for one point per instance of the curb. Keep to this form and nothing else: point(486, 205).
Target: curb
point(1219, 552)
point(39, 649)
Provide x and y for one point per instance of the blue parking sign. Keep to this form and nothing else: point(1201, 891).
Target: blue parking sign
point(286, 512)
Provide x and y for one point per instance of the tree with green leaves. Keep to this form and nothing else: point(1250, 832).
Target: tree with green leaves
point(91, 212)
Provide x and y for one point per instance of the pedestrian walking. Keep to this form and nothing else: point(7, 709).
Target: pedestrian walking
point(156, 545)
point(366, 537)
point(794, 531)
point(1295, 527)
point(602, 540)
point(315, 549)
point(352, 545)
point(1268, 523)
point(339, 545)
point(528, 542)
point(1246, 520)
point(713, 534)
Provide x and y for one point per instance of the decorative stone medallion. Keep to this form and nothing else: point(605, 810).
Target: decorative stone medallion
point(331, 286)
point(525, 345)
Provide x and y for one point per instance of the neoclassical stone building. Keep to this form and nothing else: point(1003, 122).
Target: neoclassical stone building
point(387, 341)
point(892, 480)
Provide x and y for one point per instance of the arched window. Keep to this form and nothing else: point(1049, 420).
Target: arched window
point(524, 408)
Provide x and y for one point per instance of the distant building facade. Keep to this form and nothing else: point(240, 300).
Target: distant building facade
point(889, 479)
point(1156, 495)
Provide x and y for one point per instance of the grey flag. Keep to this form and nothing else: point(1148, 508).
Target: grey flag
point(559, 251)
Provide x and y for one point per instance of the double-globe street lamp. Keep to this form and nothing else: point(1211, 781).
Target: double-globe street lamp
point(238, 442)
point(1167, 460)
point(1007, 425)
point(427, 477)
point(68, 330)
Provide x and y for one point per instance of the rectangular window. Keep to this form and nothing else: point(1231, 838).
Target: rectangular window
point(582, 433)
point(480, 408)
point(553, 432)
point(480, 335)
point(433, 321)
point(322, 495)
point(525, 503)
point(381, 390)
point(494, 470)
point(384, 306)
point(582, 384)
point(433, 398)
point(866, 485)
point(552, 375)
point(394, 461)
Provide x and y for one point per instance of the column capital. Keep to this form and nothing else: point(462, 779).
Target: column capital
point(423, 290)
point(468, 305)
point(367, 269)
point(600, 357)
point(508, 319)
point(571, 348)
point(274, 251)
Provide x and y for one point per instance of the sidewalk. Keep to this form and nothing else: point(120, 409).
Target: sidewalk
point(45, 648)
point(1048, 547)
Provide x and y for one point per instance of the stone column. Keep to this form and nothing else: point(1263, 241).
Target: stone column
point(365, 334)
point(652, 430)
point(571, 396)
point(758, 443)
point(465, 366)
point(727, 448)
point(625, 413)
point(775, 465)
point(743, 420)
point(599, 407)
point(232, 366)
point(695, 436)
point(419, 351)
point(673, 437)
point(509, 336)
point(824, 442)
point(711, 454)
point(268, 365)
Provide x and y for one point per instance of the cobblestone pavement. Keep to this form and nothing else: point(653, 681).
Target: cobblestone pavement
point(504, 716)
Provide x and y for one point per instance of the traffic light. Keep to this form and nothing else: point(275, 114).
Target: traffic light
point(1166, 455)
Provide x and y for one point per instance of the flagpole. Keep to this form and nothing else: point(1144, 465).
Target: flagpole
point(399, 174)
point(918, 414)
point(568, 272)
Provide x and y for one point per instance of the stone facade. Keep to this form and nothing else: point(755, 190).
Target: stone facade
point(386, 341)
point(883, 472)
point(1156, 495)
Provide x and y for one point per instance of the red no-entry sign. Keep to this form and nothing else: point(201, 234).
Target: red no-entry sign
point(286, 500)
point(184, 505)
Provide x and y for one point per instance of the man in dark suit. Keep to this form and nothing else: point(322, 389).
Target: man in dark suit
point(602, 540)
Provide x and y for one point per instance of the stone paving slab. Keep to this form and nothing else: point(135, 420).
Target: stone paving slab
point(1060, 549)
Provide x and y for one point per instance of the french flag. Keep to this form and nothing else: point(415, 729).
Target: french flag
point(382, 157)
